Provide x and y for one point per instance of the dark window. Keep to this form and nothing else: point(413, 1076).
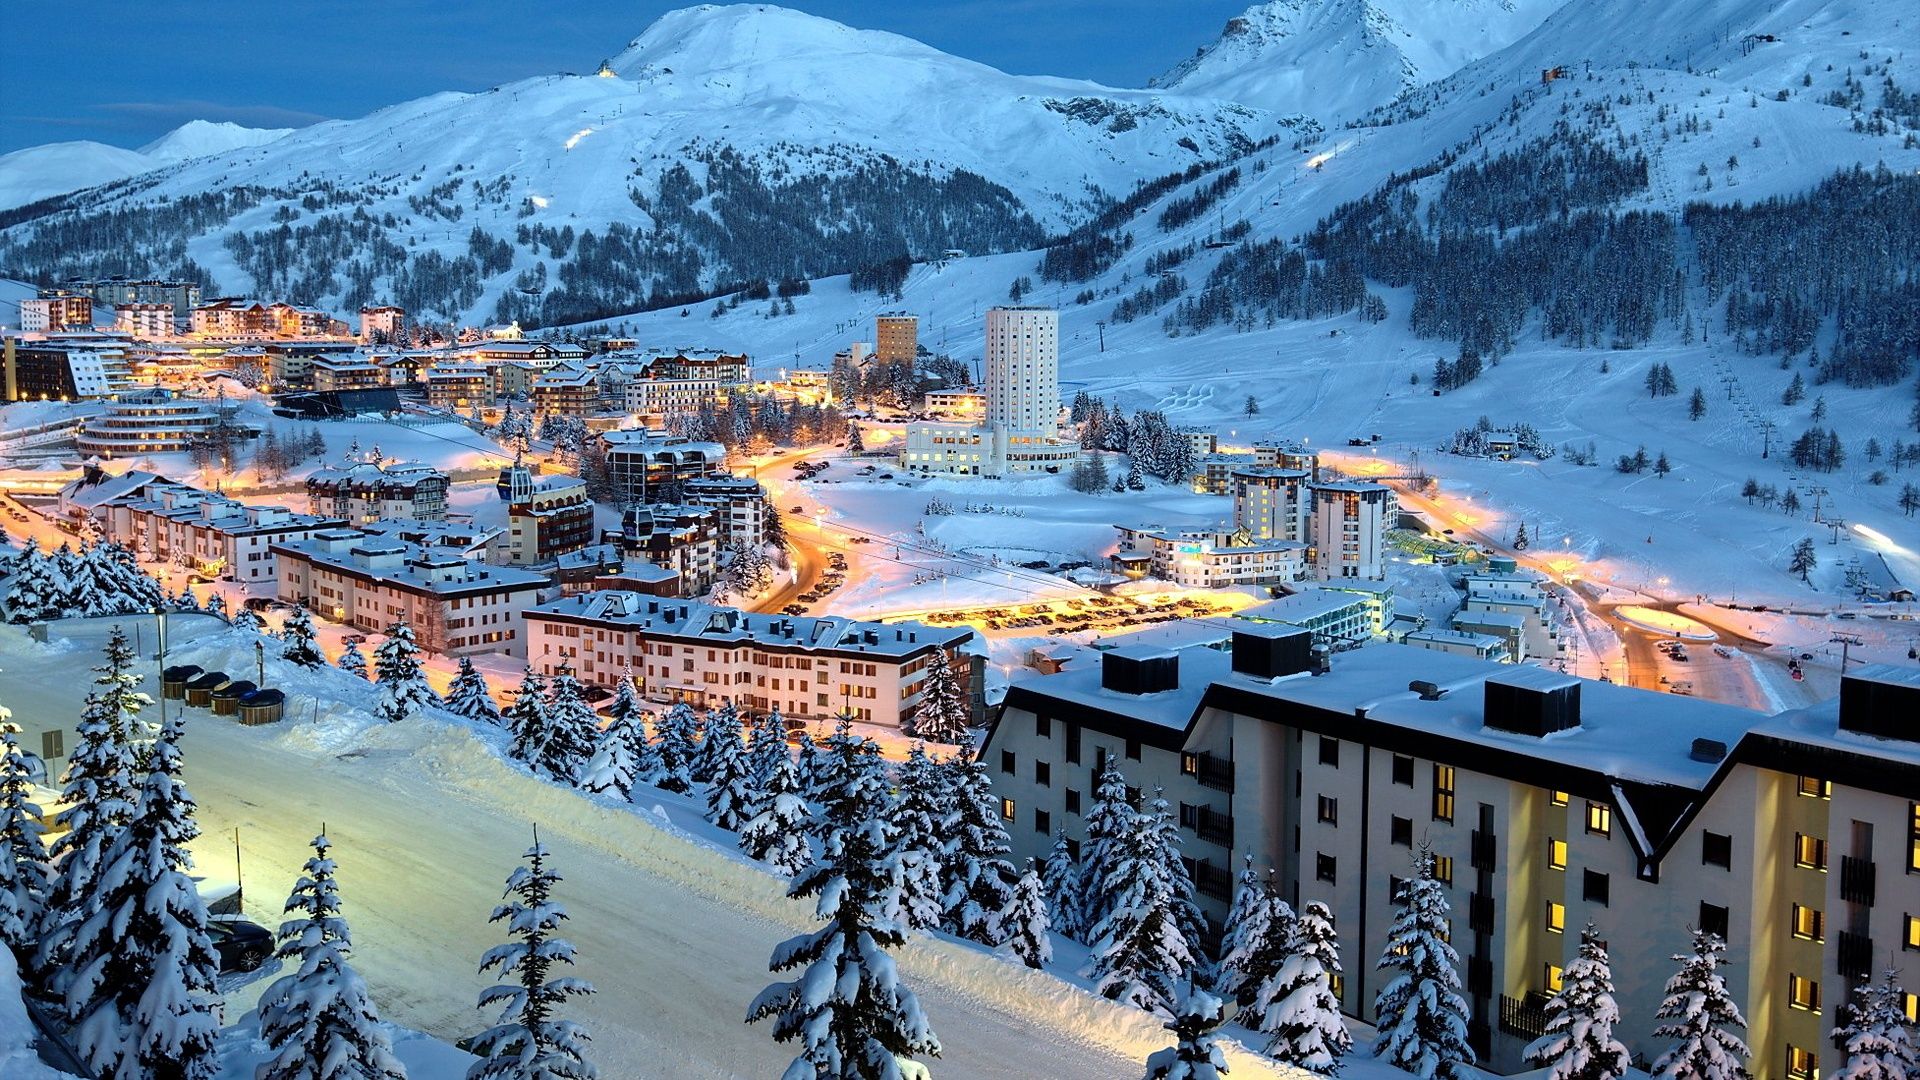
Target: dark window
point(1007, 763)
point(1073, 849)
point(1595, 888)
point(1329, 810)
point(1073, 744)
point(1042, 822)
point(1403, 770)
point(1042, 726)
point(1325, 867)
point(1099, 760)
point(1395, 885)
point(1713, 919)
point(1043, 773)
point(1400, 831)
point(1329, 751)
point(1133, 749)
point(1073, 801)
point(1716, 849)
point(1443, 793)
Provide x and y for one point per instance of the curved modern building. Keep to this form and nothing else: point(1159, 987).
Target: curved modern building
point(146, 422)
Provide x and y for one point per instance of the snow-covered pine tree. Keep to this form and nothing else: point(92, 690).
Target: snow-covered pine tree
point(1196, 1053)
point(403, 687)
point(617, 761)
point(318, 1019)
point(1139, 953)
point(724, 718)
point(1108, 822)
point(526, 719)
point(1701, 1018)
point(531, 1042)
point(1295, 1005)
point(468, 695)
point(30, 589)
point(778, 833)
point(352, 660)
point(626, 709)
point(1255, 942)
point(766, 749)
point(1062, 877)
point(573, 729)
point(1186, 912)
point(976, 878)
point(1421, 1016)
point(923, 824)
point(673, 737)
point(143, 997)
point(297, 643)
point(1579, 1042)
point(943, 714)
point(24, 874)
point(806, 761)
point(1024, 923)
point(731, 787)
point(1878, 1038)
point(99, 794)
point(217, 605)
point(847, 1007)
point(247, 619)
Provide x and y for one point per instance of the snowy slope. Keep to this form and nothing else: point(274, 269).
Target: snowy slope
point(199, 138)
point(40, 172)
point(1332, 60)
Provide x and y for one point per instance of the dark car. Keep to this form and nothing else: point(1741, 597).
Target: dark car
point(242, 945)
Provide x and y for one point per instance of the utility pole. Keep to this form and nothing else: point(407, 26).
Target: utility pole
point(1103, 335)
point(1766, 437)
point(1846, 643)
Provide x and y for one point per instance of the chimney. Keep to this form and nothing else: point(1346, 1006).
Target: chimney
point(1883, 701)
point(1708, 750)
point(1428, 691)
point(1139, 669)
point(1271, 650)
point(1532, 701)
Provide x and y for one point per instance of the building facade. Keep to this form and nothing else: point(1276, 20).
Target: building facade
point(145, 321)
point(642, 464)
point(55, 313)
point(739, 505)
point(209, 533)
point(1020, 432)
point(382, 324)
point(1273, 503)
point(147, 422)
point(896, 338)
point(364, 492)
point(1350, 530)
point(1210, 558)
point(547, 517)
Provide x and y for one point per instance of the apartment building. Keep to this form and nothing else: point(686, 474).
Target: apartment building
point(56, 312)
point(896, 338)
point(364, 491)
point(1350, 530)
point(683, 539)
point(1549, 802)
point(145, 321)
point(107, 292)
point(547, 516)
point(349, 371)
point(1268, 454)
point(457, 387)
point(381, 324)
point(1207, 558)
point(739, 505)
point(44, 370)
point(566, 390)
point(809, 668)
point(1337, 620)
point(1273, 503)
point(147, 422)
point(643, 463)
point(215, 535)
point(456, 607)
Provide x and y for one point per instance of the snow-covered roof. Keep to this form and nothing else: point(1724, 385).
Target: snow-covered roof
point(692, 621)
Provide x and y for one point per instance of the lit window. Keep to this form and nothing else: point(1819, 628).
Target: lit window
point(1553, 978)
point(1913, 838)
point(1813, 787)
point(1802, 1064)
point(1443, 793)
point(1913, 932)
point(1911, 1006)
point(1556, 917)
point(1809, 924)
point(1337, 984)
point(1809, 852)
point(1443, 869)
point(1600, 818)
point(1803, 993)
point(1556, 853)
point(1559, 798)
point(1007, 809)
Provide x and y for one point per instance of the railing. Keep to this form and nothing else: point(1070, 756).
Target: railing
point(1214, 772)
point(1480, 913)
point(1211, 880)
point(1479, 977)
point(1214, 827)
point(1856, 880)
point(1483, 850)
point(1856, 955)
point(1526, 1017)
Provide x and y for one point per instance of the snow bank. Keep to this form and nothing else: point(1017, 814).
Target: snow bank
point(18, 1059)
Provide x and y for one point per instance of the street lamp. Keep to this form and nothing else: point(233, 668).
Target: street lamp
point(260, 662)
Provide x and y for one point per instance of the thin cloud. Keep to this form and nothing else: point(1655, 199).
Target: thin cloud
point(182, 110)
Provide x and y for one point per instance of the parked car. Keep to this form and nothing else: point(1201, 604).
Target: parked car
point(242, 945)
point(796, 509)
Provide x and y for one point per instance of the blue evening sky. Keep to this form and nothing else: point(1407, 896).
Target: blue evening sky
point(127, 71)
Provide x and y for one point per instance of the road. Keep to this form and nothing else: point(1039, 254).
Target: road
point(807, 543)
point(675, 938)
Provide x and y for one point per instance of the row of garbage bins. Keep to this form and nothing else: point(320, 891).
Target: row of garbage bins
point(225, 696)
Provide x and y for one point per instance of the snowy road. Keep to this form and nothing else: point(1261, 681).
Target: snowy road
point(427, 822)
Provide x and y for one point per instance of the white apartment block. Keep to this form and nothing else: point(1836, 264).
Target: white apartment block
point(1458, 642)
point(52, 314)
point(144, 320)
point(210, 533)
point(381, 323)
point(1021, 431)
point(1273, 503)
point(455, 607)
point(1337, 620)
point(1281, 455)
point(363, 491)
point(680, 651)
point(1350, 522)
point(1208, 558)
point(1549, 802)
point(739, 506)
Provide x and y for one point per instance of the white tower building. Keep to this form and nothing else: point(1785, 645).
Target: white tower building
point(1023, 370)
point(1349, 530)
point(1272, 503)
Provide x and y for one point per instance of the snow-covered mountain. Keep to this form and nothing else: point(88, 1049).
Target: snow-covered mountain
point(1336, 59)
point(40, 172)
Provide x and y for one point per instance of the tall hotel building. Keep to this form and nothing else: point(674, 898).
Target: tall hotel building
point(1022, 430)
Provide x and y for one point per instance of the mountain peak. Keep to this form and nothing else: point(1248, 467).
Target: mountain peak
point(714, 38)
point(198, 138)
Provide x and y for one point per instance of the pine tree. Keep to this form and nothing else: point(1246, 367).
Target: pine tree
point(1108, 823)
point(704, 758)
point(625, 710)
point(353, 660)
point(318, 1020)
point(572, 729)
point(766, 750)
point(1024, 923)
point(531, 1042)
point(977, 879)
point(778, 833)
point(923, 819)
point(1186, 912)
point(674, 738)
point(468, 696)
point(847, 1007)
point(1421, 1016)
point(1139, 953)
point(806, 762)
point(1256, 940)
point(526, 719)
point(1702, 1018)
point(1804, 561)
point(1878, 1038)
point(247, 619)
point(24, 875)
point(1579, 1042)
point(299, 647)
point(730, 792)
point(142, 997)
point(618, 761)
point(99, 795)
point(1062, 876)
point(1295, 1004)
point(943, 714)
point(403, 687)
point(1696, 405)
point(1196, 1055)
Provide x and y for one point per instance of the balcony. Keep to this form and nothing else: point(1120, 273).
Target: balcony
point(1856, 880)
point(1483, 850)
point(1479, 977)
point(1214, 827)
point(1856, 955)
point(1526, 1017)
point(1480, 913)
point(1214, 772)
point(1213, 881)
